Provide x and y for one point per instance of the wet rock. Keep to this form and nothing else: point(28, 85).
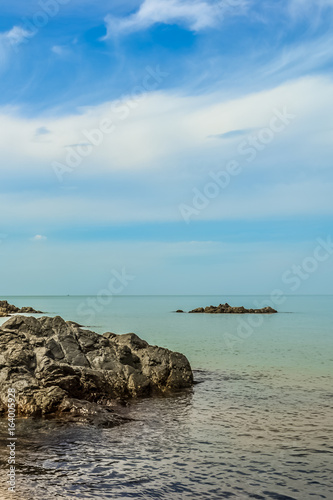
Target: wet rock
point(76, 410)
point(58, 368)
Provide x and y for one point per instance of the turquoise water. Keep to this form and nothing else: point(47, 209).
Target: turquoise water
point(258, 425)
point(302, 331)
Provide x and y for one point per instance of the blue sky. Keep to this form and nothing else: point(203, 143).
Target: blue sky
point(189, 142)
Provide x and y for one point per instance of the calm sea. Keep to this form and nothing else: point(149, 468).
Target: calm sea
point(258, 425)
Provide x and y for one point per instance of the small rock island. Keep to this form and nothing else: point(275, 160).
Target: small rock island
point(226, 309)
point(60, 370)
point(7, 309)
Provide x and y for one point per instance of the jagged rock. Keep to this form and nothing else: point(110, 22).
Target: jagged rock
point(59, 369)
point(7, 309)
point(226, 309)
point(179, 311)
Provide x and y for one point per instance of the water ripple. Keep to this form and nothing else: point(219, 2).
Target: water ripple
point(234, 436)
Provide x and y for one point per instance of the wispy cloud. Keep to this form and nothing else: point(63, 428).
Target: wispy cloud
point(121, 181)
point(39, 237)
point(302, 7)
point(9, 40)
point(194, 15)
point(298, 199)
point(304, 58)
point(13, 37)
point(187, 122)
point(60, 50)
point(232, 134)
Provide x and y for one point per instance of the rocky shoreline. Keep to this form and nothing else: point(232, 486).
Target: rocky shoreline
point(7, 309)
point(227, 309)
point(59, 370)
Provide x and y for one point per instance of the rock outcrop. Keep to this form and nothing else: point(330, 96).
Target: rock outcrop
point(7, 309)
point(60, 370)
point(226, 309)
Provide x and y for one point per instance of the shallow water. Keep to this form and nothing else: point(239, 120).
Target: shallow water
point(258, 425)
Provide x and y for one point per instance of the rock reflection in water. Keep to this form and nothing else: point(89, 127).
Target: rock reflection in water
point(231, 436)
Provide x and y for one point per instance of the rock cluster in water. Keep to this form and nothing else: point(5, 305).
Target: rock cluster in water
point(226, 309)
point(7, 309)
point(60, 370)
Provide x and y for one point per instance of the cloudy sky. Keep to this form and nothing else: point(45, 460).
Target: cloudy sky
point(188, 142)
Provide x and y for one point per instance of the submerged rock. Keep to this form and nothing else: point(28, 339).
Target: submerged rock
point(226, 309)
point(59, 369)
point(7, 309)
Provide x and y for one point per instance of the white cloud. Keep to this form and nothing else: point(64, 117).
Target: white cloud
point(195, 15)
point(15, 36)
point(60, 50)
point(156, 129)
point(164, 139)
point(9, 40)
point(39, 237)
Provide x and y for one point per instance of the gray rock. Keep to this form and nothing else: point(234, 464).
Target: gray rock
point(59, 369)
point(226, 309)
point(7, 309)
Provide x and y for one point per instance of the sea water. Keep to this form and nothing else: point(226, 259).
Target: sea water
point(258, 424)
